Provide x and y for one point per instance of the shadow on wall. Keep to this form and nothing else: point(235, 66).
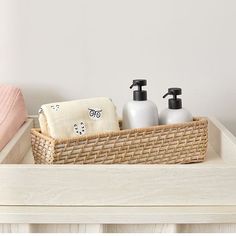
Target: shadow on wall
point(230, 125)
point(34, 98)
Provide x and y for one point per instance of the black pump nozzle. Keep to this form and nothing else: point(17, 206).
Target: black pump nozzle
point(139, 83)
point(174, 103)
point(139, 95)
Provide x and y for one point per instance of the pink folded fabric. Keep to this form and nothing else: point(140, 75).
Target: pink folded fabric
point(12, 113)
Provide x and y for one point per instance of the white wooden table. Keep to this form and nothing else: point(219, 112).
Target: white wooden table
point(119, 198)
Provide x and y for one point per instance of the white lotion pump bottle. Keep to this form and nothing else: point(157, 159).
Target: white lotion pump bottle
point(140, 112)
point(175, 114)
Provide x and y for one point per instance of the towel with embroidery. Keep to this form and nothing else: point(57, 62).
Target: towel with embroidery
point(80, 117)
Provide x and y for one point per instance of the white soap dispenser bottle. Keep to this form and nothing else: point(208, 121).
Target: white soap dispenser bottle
point(140, 112)
point(175, 114)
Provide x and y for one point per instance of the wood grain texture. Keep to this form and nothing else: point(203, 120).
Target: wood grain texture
point(16, 149)
point(208, 228)
point(118, 215)
point(117, 228)
point(67, 228)
point(223, 141)
point(142, 228)
point(120, 185)
point(51, 228)
point(171, 228)
point(15, 228)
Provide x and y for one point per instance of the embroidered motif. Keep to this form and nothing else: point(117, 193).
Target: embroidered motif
point(55, 107)
point(95, 114)
point(80, 128)
point(40, 110)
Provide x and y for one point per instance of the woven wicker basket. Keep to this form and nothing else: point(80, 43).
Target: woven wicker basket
point(167, 144)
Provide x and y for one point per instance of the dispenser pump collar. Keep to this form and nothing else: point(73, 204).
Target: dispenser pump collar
point(139, 95)
point(175, 102)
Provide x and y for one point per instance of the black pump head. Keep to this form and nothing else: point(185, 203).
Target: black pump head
point(174, 103)
point(139, 95)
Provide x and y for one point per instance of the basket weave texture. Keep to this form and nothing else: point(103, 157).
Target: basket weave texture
point(167, 144)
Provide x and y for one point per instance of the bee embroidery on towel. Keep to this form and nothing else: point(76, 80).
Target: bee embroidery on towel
point(95, 113)
point(80, 128)
point(55, 107)
point(40, 110)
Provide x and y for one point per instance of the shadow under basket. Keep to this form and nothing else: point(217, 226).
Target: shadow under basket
point(166, 144)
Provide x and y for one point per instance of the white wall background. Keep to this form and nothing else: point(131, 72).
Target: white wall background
point(59, 50)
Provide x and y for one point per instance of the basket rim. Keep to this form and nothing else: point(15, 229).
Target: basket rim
point(196, 120)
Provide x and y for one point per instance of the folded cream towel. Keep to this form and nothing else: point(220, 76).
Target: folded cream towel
point(81, 117)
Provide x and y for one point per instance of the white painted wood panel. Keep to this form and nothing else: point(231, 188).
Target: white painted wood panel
point(15, 228)
point(208, 228)
point(169, 228)
point(208, 183)
point(117, 228)
point(142, 228)
point(67, 228)
point(223, 141)
point(51, 228)
point(118, 185)
point(122, 198)
point(118, 215)
point(16, 149)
